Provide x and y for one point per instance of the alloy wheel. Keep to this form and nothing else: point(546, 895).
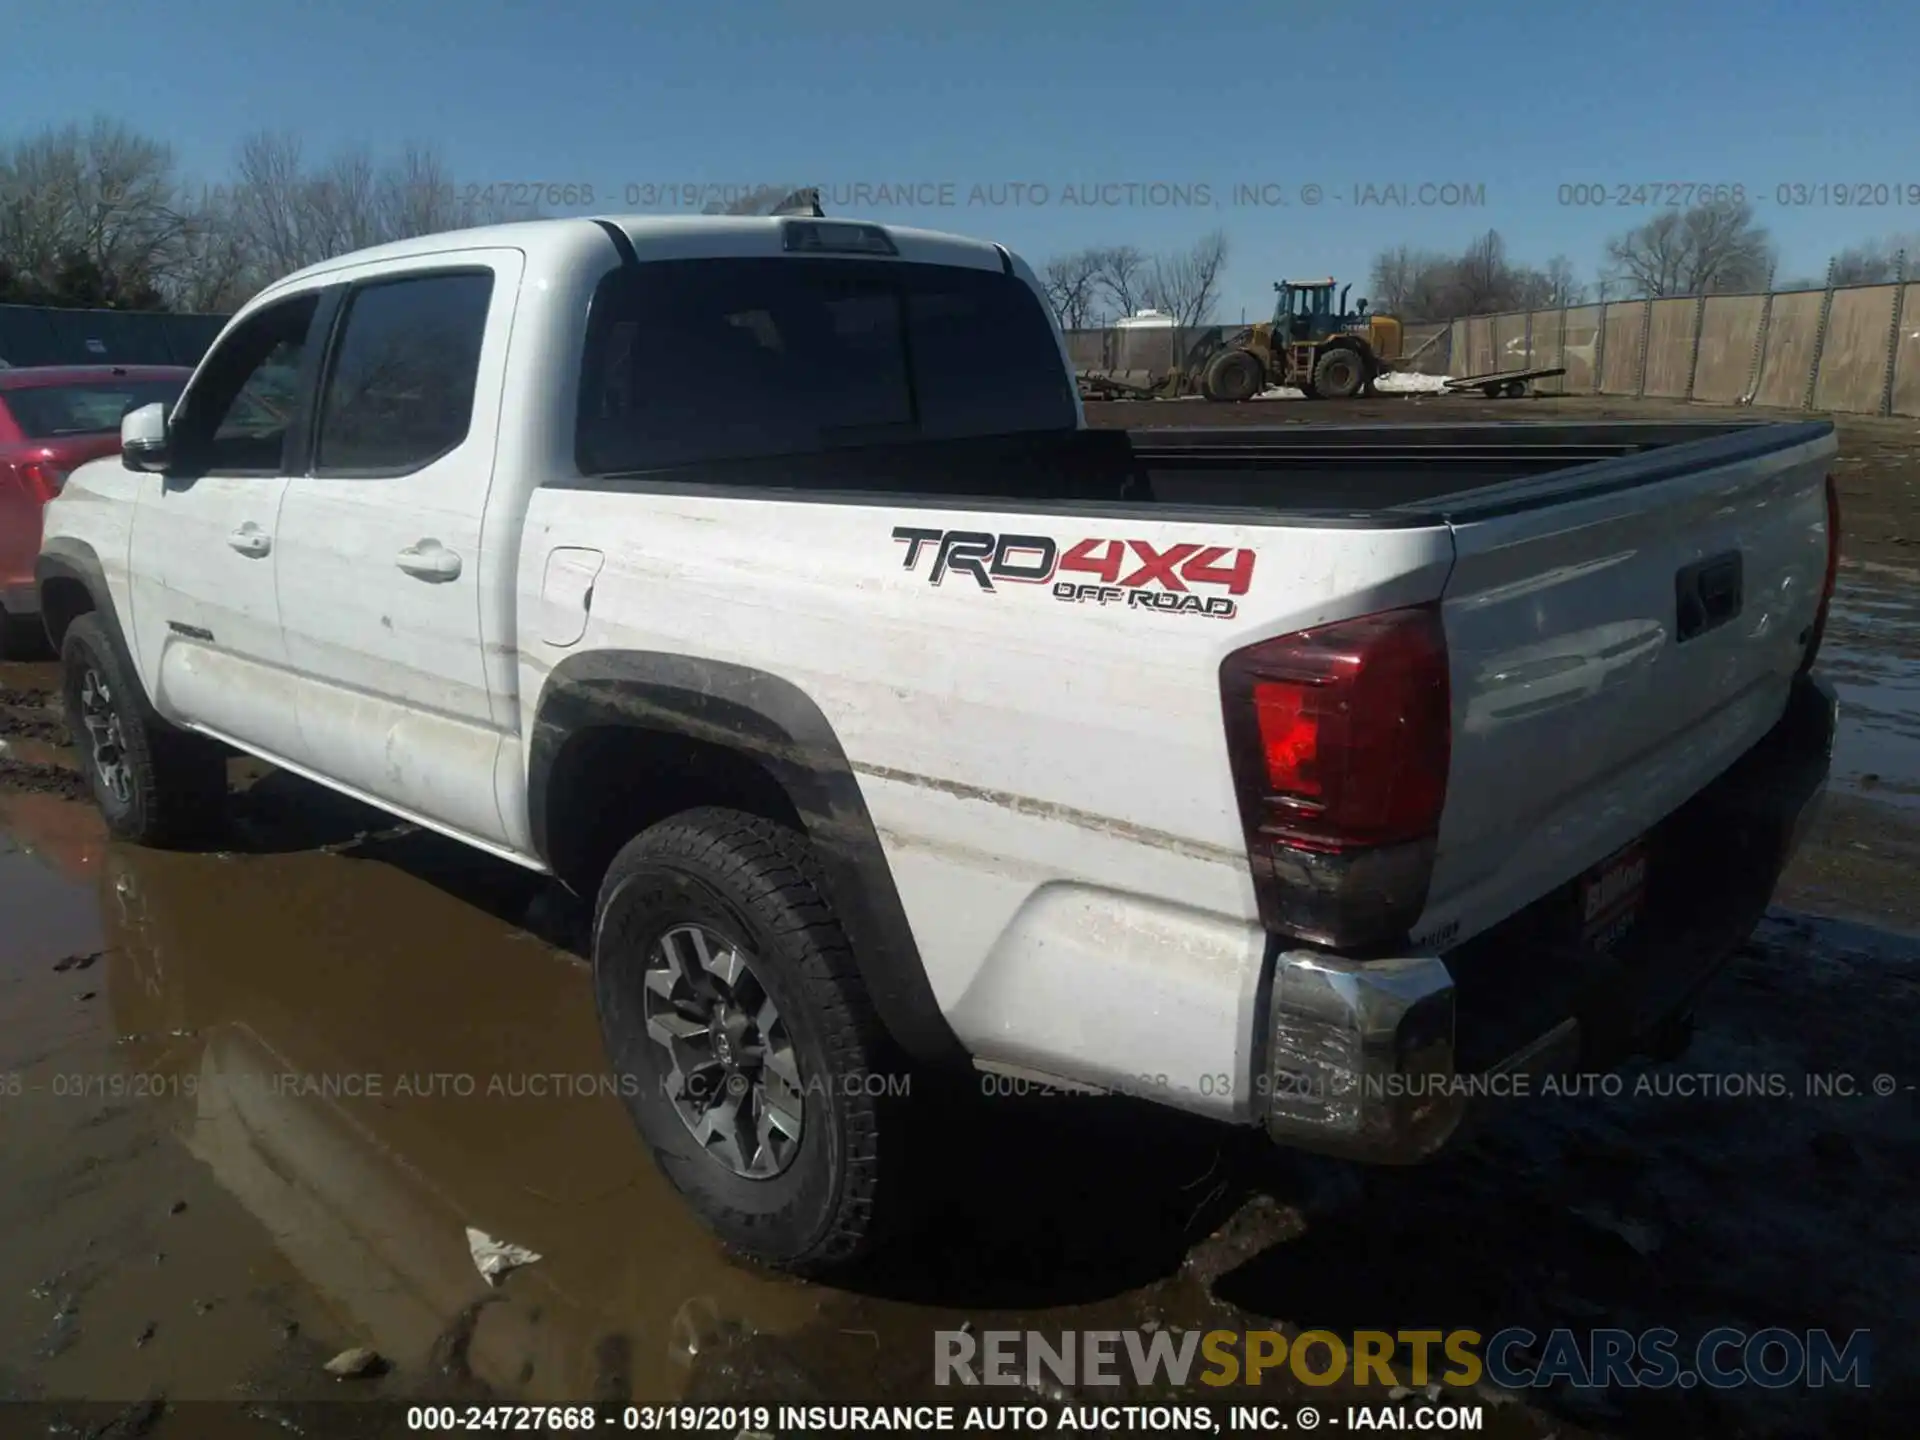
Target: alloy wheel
point(106, 743)
point(733, 1076)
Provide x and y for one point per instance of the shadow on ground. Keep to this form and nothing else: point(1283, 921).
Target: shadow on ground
point(1085, 1197)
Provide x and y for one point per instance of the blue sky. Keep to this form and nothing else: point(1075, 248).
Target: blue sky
point(1517, 98)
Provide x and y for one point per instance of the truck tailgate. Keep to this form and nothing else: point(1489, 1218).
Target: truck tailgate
point(1618, 635)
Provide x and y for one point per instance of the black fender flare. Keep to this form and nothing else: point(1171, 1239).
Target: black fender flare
point(64, 558)
point(776, 725)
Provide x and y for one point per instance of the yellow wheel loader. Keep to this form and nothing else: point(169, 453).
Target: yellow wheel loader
point(1310, 344)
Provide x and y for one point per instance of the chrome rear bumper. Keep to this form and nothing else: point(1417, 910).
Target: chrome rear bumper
point(1380, 1060)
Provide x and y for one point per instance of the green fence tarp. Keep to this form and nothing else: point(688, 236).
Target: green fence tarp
point(39, 335)
point(25, 336)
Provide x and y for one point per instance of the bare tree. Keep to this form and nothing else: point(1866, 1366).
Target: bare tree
point(344, 204)
point(415, 195)
point(1069, 283)
point(1120, 277)
point(99, 216)
point(268, 201)
point(1398, 277)
point(1876, 262)
point(1482, 278)
point(1186, 284)
point(1563, 283)
point(104, 198)
point(1429, 288)
point(1712, 247)
point(214, 271)
point(1427, 285)
point(289, 216)
point(1421, 285)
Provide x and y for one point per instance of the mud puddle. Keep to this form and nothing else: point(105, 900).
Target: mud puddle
point(28, 685)
point(257, 1099)
point(36, 752)
point(1872, 653)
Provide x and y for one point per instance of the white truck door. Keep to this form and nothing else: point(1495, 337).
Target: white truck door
point(206, 616)
point(379, 568)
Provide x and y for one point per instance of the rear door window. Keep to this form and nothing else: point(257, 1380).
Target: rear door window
point(711, 360)
point(399, 391)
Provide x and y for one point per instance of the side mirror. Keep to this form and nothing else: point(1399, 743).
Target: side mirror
point(143, 437)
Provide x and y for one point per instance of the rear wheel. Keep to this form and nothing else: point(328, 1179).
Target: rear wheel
point(155, 784)
point(747, 1051)
point(1233, 376)
point(1339, 374)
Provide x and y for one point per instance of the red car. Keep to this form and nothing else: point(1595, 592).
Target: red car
point(52, 418)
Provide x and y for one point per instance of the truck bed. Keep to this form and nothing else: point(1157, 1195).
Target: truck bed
point(1393, 475)
point(1432, 473)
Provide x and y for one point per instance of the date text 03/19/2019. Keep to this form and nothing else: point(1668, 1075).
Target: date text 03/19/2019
point(1788, 194)
point(730, 1420)
point(759, 1420)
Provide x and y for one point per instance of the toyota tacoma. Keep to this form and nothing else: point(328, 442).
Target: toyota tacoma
point(761, 580)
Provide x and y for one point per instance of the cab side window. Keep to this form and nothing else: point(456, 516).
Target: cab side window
point(236, 416)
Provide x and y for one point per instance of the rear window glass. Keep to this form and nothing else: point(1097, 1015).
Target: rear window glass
point(707, 360)
point(88, 408)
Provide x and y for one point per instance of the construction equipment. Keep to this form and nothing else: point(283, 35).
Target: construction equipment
point(1312, 344)
point(1511, 384)
point(1142, 345)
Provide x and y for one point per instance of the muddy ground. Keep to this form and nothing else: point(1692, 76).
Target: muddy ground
point(245, 1124)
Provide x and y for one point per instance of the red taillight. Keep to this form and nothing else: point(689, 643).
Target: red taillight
point(1353, 730)
point(1340, 739)
point(42, 478)
point(1832, 578)
point(1289, 736)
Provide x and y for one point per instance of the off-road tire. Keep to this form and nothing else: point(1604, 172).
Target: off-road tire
point(177, 781)
point(1340, 373)
point(1233, 376)
point(759, 884)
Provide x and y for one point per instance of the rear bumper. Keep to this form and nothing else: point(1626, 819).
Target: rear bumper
point(19, 598)
point(1378, 1060)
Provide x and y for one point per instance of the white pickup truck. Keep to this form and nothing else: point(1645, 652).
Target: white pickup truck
point(761, 577)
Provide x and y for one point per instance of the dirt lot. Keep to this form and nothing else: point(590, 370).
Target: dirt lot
point(251, 1101)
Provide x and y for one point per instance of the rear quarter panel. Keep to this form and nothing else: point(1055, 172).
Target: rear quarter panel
point(1049, 777)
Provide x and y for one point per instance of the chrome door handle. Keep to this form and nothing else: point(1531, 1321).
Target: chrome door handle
point(429, 560)
point(250, 540)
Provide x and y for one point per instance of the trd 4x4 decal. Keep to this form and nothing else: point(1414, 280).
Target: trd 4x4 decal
point(1134, 573)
